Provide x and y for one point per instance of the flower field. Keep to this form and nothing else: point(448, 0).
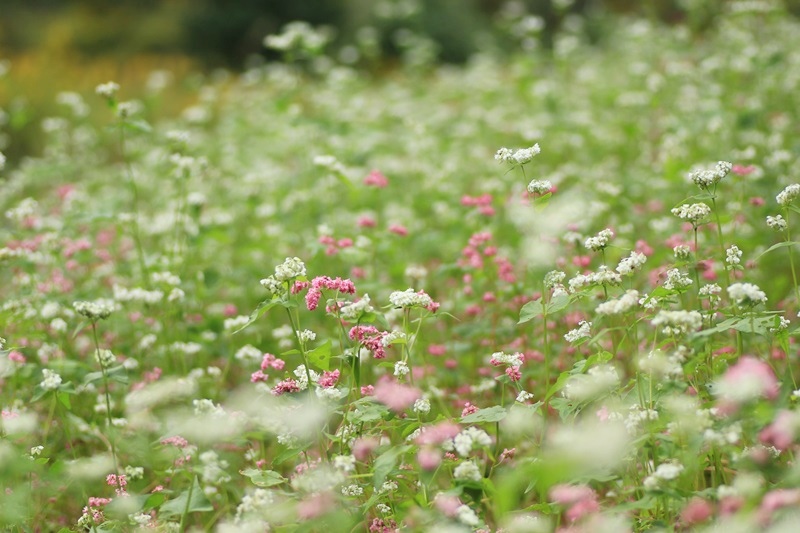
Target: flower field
point(552, 291)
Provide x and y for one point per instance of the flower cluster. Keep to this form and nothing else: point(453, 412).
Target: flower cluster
point(707, 178)
point(517, 157)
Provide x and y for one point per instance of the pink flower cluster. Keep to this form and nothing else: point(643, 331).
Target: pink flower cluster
point(328, 379)
point(269, 361)
point(370, 338)
point(343, 286)
point(376, 179)
point(287, 385)
point(176, 440)
point(482, 202)
point(334, 245)
point(580, 500)
point(396, 396)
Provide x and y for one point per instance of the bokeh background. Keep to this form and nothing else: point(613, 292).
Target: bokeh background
point(161, 51)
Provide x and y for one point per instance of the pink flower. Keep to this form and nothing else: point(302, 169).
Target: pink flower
point(781, 432)
point(366, 222)
point(270, 361)
point(513, 373)
point(398, 230)
point(749, 378)
point(437, 349)
point(776, 499)
point(743, 170)
point(287, 385)
point(570, 494)
point(376, 179)
point(328, 379)
point(370, 338)
point(438, 433)
point(696, 511)
point(315, 505)
point(16, 357)
point(447, 505)
point(581, 509)
point(429, 458)
point(177, 441)
point(469, 409)
point(396, 396)
point(364, 446)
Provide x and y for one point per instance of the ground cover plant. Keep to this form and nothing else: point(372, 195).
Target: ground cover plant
point(548, 292)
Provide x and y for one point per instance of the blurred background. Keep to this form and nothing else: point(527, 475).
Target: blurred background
point(169, 47)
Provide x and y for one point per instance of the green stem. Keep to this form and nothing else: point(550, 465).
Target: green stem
point(719, 237)
point(134, 206)
point(791, 258)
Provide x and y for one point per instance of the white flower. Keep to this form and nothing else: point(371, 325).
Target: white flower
point(517, 157)
point(630, 264)
point(733, 256)
point(502, 358)
point(539, 187)
point(291, 268)
point(676, 280)
point(104, 358)
point(51, 380)
point(777, 223)
point(583, 330)
point(746, 294)
point(423, 405)
point(788, 195)
point(599, 241)
point(678, 322)
point(682, 251)
point(467, 516)
point(401, 368)
point(408, 298)
point(706, 178)
point(352, 311)
point(107, 90)
point(94, 310)
point(345, 463)
point(352, 490)
point(468, 471)
point(524, 396)
point(693, 213)
point(306, 336)
point(623, 304)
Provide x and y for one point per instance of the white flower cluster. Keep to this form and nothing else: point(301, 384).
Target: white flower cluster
point(51, 380)
point(234, 323)
point(345, 463)
point(352, 490)
point(107, 90)
point(637, 415)
point(467, 516)
point(712, 291)
point(706, 178)
point(788, 195)
point(599, 241)
point(466, 440)
point(401, 368)
point(676, 280)
point(693, 213)
point(290, 269)
point(297, 35)
point(602, 277)
point(94, 310)
point(621, 305)
point(213, 470)
point(746, 294)
point(583, 330)
point(517, 157)
point(660, 364)
point(554, 278)
point(630, 264)
point(353, 310)
point(167, 278)
point(330, 162)
point(524, 396)
point(105, 358)
point(502, 358)
point(422, 405)
point(778, 223)
point(539, 187)
point(137, 294)
point(664, 472)
point(467, 471)
point(598, 381)
point(24, 209)
point(408, 298)
point(733, 256)
point(682, 252)
point(678, 322)
point(306, 336)
point(783, 325)
point(393, 337)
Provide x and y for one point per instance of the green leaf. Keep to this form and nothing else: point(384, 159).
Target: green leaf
point(540, 202)
point(197, 504)
point(530, 311)
point(263, 478)
point(385, 463)
point(490, 414)
point(137, 125)
point(64, 399)
point(558, 303)
point(262, 308)
point(774, 247)
point(321, 356)
point(154, 500)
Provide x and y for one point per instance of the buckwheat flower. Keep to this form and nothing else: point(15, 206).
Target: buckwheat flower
point(524, 396)
point(778, 223)
point(749, 379)
point(36, 451)
point(345, 463)
point(352, 490)
point(676, 280)
point(51, 380)
point(664, 472)
point(733, 256)
point(618, 306)
point(706, 178)
point(393, 337)
point(423, 406)
point(501, 358)
point(107, 90)
point(746, 294)
point(539, 187)
point(517, 157)
point(788, 195)
point(783, 325)
point(306, 336)
point(94, 310)
point(694, 213)
point(467, 516)
point(678, 322)
point(598, 381)
point(630, 264)
point(553, 278)
point(582, 331)
point(401, 368)
point(104, 358)
point(682, 252)
point(408, 299)
point(291, 268)
point(467, 471)
point(599, 241)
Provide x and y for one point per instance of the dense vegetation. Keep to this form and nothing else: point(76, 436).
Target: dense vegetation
point(552, 292)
